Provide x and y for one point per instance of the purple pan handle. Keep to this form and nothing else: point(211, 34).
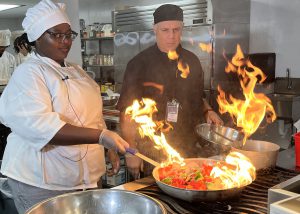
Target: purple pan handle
point(131, 151)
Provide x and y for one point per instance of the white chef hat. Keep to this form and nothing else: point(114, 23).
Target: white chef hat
point(5, 37)
point(44, 15)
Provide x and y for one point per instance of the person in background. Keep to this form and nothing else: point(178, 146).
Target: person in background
point(22, 48)
point(180, 102)
point(54, 110)
point(7, 60)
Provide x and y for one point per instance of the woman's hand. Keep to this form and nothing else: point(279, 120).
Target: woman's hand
point(112, 140)
point(115, 162)
point(23, 50)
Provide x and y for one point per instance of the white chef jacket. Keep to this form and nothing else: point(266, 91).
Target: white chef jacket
point(7, 66)
point(20, 58)
point(39, 100)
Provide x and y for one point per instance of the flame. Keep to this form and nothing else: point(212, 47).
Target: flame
point(173, 55)
point(247, 113)
point(142, 112)
point(206, 47)
point(237, 171)
point(183, 67)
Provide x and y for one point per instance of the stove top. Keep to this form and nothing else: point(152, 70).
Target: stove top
point(252, 200)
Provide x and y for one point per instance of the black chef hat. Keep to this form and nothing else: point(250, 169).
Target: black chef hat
point(168, 12)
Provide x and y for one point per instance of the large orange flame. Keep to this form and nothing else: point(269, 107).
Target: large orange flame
point(237, 171)
point(183, 67)
point(247, 113)
point(142, 112)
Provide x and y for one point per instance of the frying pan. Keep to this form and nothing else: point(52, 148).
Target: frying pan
point(220, 135)
point(219, 139)
point(197, 195)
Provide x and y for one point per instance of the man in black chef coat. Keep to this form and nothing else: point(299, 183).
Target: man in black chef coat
point(151, 74)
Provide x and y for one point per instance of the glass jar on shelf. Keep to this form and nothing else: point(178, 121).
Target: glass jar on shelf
point(100, 59)
point(97, 29)
point(85, 34)
point(92, 31)
point(105, 60)
point(85, 59)
point(109, 60)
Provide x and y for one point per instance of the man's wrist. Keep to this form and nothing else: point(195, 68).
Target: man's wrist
point(207, 110)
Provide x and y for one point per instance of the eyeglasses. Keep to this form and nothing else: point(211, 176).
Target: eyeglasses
point(60, 37)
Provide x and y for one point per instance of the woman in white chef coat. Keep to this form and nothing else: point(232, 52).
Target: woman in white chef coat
point(54, 110)
point(7, 60)
point(22, 48)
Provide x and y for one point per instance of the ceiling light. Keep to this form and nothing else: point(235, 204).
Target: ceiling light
point(8, 6)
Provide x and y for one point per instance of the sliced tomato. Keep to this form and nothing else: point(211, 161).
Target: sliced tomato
point(206, 169)
point(164, 172)
point(198, 185)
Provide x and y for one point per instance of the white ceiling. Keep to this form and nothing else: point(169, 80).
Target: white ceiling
point(20, 12)
point(16, 12)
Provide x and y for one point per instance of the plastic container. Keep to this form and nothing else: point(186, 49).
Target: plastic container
point(297, 148)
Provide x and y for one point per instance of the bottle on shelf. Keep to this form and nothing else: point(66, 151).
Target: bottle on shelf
point(97, 53)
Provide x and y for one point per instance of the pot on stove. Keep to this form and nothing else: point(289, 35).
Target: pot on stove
point(262, 154)
point(197, 195)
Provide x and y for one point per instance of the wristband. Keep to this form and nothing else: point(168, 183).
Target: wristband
point(207, 110)
point(127, 154)
point(101, 136)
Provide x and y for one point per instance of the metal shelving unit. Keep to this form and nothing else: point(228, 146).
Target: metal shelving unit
point(97, 55)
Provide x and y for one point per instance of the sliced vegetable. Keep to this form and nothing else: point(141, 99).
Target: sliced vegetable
point(191, 177)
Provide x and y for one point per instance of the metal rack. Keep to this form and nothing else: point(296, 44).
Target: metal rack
point(97, 55)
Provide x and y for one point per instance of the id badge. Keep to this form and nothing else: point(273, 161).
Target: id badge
point(172, 111)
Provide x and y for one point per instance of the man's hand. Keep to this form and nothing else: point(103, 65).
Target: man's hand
point(115, 162)
point(212, 117)
point(134, 165)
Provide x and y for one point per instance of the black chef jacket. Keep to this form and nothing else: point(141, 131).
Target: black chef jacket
point(152, 68)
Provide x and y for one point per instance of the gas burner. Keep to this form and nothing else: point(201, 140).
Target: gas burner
point(252, 200)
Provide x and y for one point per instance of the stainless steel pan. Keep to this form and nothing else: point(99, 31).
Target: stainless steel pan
point(219, 139)
point(104, 201)
point(196, 195)
point(262, 154)
point(220, 135)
